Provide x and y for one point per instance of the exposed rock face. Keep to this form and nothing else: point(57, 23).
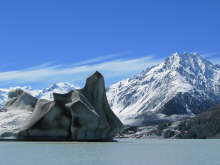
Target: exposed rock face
point(78, 115)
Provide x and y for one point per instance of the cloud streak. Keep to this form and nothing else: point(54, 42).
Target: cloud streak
point(77, 72)
point(100, 59)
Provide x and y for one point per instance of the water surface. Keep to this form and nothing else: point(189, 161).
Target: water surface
point(123, 152)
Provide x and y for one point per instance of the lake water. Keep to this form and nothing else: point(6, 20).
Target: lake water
point(123, 152)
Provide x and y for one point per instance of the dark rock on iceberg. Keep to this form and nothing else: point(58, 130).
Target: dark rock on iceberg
point(19, 99)
point(82, 115)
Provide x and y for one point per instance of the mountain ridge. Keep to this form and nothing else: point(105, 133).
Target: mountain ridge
point(183, 84)
point(46, 93)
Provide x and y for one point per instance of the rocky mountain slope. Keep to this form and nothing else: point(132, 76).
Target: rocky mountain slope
point(202, 126)
point(183, 85)
point(205, 125)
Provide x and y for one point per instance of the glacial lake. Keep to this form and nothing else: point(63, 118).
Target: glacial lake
point(123, 152)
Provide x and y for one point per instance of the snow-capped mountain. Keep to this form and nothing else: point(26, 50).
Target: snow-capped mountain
point(181, 86)
point(184, 84)
point(47, 93)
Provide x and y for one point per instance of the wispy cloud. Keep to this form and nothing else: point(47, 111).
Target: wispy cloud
point(109, 66)
point(101, 58)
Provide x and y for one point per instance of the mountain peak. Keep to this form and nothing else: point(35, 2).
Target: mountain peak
point(178, 57)
point(185, 83)
point(192, 62)
point(185, 55)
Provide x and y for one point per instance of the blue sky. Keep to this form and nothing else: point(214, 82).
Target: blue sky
point(47, 41)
